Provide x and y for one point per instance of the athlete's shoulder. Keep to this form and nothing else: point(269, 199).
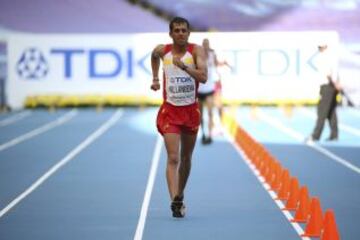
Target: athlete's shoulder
point(163, 49)
point(191, 47)
point(194, 48)
point(158, 50)
point(167, 48)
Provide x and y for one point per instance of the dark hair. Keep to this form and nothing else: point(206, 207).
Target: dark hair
point(178, 20)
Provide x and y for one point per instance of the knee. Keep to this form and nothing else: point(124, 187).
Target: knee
point(173, 159)
point(186, 160)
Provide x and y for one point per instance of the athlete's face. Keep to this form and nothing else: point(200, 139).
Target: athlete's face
point(180, 34)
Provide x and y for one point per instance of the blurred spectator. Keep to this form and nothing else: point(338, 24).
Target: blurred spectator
point(206, 93)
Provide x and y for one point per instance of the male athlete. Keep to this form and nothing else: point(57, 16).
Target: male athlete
point(178, 119)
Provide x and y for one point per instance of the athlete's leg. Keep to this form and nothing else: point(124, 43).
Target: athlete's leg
point(210, 107)
point(202, 103)
point(172, 141)
point(218, 104)
point(188, 142)
point(218, 98)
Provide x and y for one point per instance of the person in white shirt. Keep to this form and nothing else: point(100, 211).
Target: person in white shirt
point(206, 92)
point(329, 88)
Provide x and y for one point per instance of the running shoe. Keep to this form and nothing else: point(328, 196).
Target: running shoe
point(178, 207)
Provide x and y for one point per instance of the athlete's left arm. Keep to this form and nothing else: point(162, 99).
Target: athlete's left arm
point(200, 71)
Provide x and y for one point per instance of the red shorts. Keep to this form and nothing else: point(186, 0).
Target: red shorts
point(178, 119)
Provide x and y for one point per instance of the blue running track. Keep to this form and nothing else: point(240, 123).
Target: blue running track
point(84, 174)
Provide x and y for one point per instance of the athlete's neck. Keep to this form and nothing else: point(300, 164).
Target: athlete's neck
point(179, 48)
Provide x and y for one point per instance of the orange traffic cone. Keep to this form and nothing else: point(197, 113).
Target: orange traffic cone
point(330, 229)
point(264, 164)
point(293, 200)
point(275, 182)
point(302, 213)
point(238, 137)
point(315, 224)
point(285, 186)
point(270, 171)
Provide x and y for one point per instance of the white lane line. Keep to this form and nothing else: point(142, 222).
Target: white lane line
point(14, 118)
point(344, 127)
point(334, 157)
point(100, 131)
point(149, 188)
point(63, 119)
point(276, 123)
point(298, 136)
point(266, 186)
point(354, 112)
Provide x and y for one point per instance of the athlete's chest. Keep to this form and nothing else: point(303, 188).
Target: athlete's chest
point(186, 58)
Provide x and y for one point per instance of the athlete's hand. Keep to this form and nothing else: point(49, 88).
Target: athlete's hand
point(155, 85)
point(177, 62)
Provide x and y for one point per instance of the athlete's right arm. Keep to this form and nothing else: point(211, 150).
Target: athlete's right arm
point(156, 55)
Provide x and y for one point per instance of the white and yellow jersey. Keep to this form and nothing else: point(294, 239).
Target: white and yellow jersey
point(180, 89)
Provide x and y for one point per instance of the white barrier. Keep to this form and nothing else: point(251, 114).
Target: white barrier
point(267, 66)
